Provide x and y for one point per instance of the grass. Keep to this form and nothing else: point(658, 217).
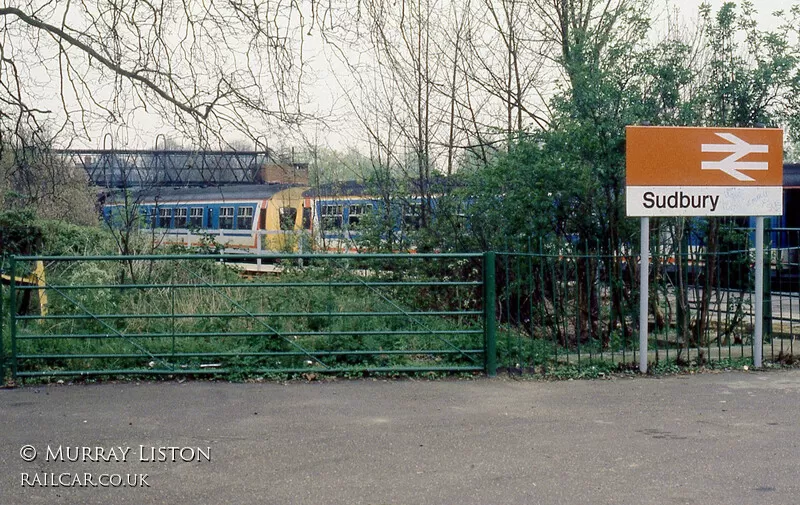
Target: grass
point(183, 316)
point(192, 317)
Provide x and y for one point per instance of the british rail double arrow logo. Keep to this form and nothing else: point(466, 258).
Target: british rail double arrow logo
point(738, 149)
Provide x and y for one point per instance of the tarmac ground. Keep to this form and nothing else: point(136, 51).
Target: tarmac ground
point(715, 438)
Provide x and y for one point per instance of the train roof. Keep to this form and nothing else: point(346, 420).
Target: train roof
point(437, 184)
point(197, 194)
point(344, 188)
point(791, 175)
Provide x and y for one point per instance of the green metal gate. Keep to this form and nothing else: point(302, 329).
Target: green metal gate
point(198, 314)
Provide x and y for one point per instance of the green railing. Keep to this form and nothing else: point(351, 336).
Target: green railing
point(581, 309)
point(531, 311)
point(198, 314)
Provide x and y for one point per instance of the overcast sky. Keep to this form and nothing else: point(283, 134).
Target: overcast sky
point(339, 134)
point(765, 8)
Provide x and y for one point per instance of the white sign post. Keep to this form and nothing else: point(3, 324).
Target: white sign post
point(644, 290)
point(680, 171)
point(758, 330)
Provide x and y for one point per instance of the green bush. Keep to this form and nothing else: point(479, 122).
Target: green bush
point(20, 233)
point(62, 238)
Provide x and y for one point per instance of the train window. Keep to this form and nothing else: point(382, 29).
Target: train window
point(331, 217)
point(196, 217)
point(164, 217)
point(412, 214)
point(287, 217)
point(355, 213)
point(244, 218)
point(180, 217)
point(306, 218)
point(226, 218)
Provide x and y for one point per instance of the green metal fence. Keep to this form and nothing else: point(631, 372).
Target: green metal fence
point(531, 311)
point(195, 314)
point(570, 308)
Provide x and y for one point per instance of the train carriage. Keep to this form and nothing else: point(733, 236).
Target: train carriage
point(293, 217)
point(342, 212)
point(241, 218)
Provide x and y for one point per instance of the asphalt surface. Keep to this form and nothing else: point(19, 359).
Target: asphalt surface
point(726, 438)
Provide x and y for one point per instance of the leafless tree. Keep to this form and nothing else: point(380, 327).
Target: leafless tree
point(508, 62)
point(204, 67)
point(397, 98)
point(587, 32)
point(48, 184)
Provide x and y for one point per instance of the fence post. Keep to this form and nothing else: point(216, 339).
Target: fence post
point(12, 319)
point(2, 340)
point(489, 322)
point(767, 314)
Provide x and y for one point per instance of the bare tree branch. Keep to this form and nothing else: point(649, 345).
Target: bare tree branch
point(208, 68)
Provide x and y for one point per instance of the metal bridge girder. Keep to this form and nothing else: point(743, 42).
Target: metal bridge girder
point(115, 168)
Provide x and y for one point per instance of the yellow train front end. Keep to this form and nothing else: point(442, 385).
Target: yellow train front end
point(285, 222)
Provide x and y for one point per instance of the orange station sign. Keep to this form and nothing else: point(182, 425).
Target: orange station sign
point(686, 171)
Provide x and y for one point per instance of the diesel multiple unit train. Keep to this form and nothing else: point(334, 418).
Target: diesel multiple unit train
point(249, 217)
point(292, 217)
